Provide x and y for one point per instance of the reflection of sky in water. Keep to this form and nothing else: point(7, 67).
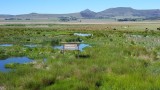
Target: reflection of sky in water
point(81, 46)
point(6, 45)
point(31, 46)
point(9, 45)
point(20, 60)
point(81, 34)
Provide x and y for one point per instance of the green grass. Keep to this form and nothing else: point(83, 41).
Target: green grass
point(118, 59)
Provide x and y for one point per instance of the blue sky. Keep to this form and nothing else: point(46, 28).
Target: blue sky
point(70, 6)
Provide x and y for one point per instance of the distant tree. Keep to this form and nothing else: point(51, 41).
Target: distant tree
point(158, 28)
point(73, 18)
point(10, 19)
point(127, 19)
point(28, 19)
point(19, 19)
point(64, 19)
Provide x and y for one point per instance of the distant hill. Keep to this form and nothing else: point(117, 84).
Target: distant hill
point(5, 16)
point(113, 12)
point(129, 12)
point(37, 16)
point(88, 14)
point(117, 13)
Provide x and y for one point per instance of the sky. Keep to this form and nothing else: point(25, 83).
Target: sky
point(15, 7)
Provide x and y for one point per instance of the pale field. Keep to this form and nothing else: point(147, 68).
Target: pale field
point(89, 24)
point(80, 21)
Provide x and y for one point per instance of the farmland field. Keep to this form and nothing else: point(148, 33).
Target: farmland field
point(120, 56)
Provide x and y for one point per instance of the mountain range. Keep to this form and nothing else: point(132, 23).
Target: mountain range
point(123, 12)
point(118, 12)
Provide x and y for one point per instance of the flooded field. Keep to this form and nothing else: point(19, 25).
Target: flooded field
point(112, 56)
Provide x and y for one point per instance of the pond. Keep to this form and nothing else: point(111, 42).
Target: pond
point(28, 45)
point(6, 45)
point(82, 34)
point(81, 47)
point(137, 36)
point(20, 60)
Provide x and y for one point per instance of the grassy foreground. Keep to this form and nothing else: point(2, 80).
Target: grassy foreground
point(121, 57)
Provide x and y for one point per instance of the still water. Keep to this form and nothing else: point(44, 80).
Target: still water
point(20, 60)
point(81, 47)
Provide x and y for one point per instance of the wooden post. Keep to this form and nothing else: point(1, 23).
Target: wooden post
point(78, 51)
point(71, 46)
point(63, 49)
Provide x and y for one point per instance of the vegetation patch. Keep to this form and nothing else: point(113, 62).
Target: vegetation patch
point(125, 58)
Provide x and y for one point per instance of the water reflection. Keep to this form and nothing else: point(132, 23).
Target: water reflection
point(82, 34)
point(81, 47)
point(28, 45)
point(6, 45)
point(31, 46)
point(20, 60)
